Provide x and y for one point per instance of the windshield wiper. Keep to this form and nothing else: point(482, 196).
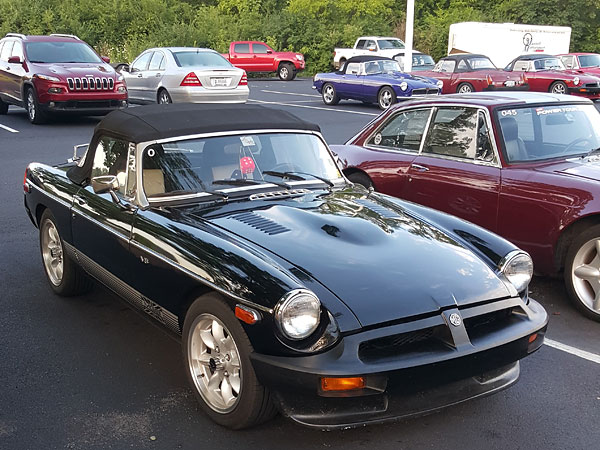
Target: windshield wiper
point(246, 182)
point(294, 175)
point(593, 151)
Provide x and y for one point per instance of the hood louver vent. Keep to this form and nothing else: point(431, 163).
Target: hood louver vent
point(379, 209)
point(260, 223)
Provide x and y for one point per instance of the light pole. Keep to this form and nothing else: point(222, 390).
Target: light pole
point(410, 19)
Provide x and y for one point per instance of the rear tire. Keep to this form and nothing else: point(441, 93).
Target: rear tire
point(66, 278)
point(163, 97)
point(329, 94)
point(360, 178)
point(216, 352)
point(34, 111)
point(286, 71)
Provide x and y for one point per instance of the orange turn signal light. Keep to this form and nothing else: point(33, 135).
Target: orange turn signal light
point(533, 337)
point(342, 384)
point(246, 315)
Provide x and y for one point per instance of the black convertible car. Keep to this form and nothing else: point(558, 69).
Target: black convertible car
point(291, 288)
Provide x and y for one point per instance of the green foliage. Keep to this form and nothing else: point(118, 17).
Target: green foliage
point(121, 29)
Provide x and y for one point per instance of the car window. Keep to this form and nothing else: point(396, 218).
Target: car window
point(521, 66)
point(200, 59)
point(142, 62)
point(480, 62)
point(453, 132)
point(589, 60)
point(484, 151)
point(370, 45)
point(387, 44)
point(568, 61)
point(462, 65)
point(1, 45)
point(445, 65)
point(191, 166)
point(156, 61)
point(361, 44)
point(259, 48)
point(403, 132)
point(241, 48)
point(353, 68)
point(110, 158)
point(545, 132)
point(61, 52)
point(6, 50)
point(17, 50)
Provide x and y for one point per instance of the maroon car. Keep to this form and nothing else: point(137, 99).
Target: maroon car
point(524, 165)
point(57, 74)
point(468, 72)
point(546, 73)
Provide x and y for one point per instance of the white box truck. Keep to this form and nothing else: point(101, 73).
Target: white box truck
point(503, 42)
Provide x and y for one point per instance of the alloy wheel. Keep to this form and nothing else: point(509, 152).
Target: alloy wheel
point(164, 98)
point(329, 93)
point(558, 88)
point(385, 99)
point(465, 89)
point(52, 253)
point(31, 105)
point(214, 363)
point(283, 72)
point(586, 274)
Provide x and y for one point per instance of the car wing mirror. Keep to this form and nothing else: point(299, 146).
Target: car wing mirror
point(15, 60)
point(269, 51)
point(106, 59)
point(105, 183)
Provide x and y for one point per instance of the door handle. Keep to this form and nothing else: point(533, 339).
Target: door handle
point(158, 75)
point(419, 167)
point(8, 68)
point(140, 75)
point(79, 200)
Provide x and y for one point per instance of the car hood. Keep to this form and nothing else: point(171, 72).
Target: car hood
point(415, 81)
point(587, 168)
point(384, 262)
point(79, 70)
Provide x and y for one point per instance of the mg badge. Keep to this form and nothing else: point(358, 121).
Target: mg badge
point(455, 319)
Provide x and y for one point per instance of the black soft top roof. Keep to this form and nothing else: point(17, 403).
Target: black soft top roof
point(153, 122)
point(362, 58)
point(535, 56)
point(459, 56)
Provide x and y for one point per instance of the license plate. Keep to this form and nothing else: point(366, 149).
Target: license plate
point(509, 83)
point(218, 82)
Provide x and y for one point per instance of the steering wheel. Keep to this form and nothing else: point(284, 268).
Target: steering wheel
point(575, 142)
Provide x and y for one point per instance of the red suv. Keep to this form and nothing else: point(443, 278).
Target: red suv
point(57, 73)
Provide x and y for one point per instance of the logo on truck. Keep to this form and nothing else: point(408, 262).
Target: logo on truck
point(527, 40)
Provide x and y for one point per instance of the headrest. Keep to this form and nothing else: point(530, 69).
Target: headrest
point(510, 128)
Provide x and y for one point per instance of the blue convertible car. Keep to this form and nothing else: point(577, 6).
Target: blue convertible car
point(373, 79)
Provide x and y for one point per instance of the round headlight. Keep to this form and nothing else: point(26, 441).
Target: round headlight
point(576, 81)
point(517, 267)
point(297, 314)
point(404, 85)
point(440, 84)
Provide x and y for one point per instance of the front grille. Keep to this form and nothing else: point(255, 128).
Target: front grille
point(83, 104)
point(404, 344)
point(489, 323)
point(425, 91)
point(90, 84)
point(592, 85)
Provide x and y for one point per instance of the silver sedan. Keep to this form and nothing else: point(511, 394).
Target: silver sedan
point(184, 74)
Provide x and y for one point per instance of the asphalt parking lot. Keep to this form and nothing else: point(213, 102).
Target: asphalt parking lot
point(88, 372)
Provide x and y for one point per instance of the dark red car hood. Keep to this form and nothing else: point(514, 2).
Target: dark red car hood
point(66, 70)
point(585, 168)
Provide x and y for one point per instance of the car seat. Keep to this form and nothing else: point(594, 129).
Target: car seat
point(515, 147)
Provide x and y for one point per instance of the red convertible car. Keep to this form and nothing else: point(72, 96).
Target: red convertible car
point(467, 72)
point(524, 165)
point(582, 62)
point(546, 73)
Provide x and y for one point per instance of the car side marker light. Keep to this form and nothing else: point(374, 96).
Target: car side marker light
point(342, 384)
point(246, 314)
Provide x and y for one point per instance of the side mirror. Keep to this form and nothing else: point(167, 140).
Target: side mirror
point(106, 59)
point(269, 50)
point(15, 60)
point(105, 183)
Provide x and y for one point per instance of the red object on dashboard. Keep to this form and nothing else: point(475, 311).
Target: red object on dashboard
point(247, 165)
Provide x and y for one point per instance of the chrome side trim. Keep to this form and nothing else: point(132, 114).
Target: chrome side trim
point(122, 289)
point(201, 279)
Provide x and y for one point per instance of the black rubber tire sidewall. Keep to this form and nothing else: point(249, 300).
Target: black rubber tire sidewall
point(160, 92)
point(360, 178)
point(290, 72)
point(40, 116)
point(465, 84)
point(254, 405)
point(583, 237)
point(3, 108)
point(74, 280)
point(336, 98)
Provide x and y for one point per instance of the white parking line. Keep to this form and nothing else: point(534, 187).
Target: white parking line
point(313, 107)
point(290, 93)
point(12, 130)
point(572, 350)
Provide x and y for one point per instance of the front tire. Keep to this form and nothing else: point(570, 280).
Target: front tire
point(558, 87)
point(465, 88)
point(163, 97)
point(360, 178)
point(34, 111)
point(582, 272)
point(286, 71)
point(329, 94)
point(216, 351)
point(3, 108)
point(66, 278)
point(386, 97)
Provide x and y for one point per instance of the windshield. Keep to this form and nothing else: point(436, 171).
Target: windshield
point(422, 60)
point(235, 162)
point(478, 63)
point(381, 66)
point(386, 44)
point(548, 64)
point(198, 58)
point(589, 60)
point(60, 52)
point(546, 132)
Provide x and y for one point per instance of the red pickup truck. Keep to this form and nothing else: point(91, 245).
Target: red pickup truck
point(255, 56)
